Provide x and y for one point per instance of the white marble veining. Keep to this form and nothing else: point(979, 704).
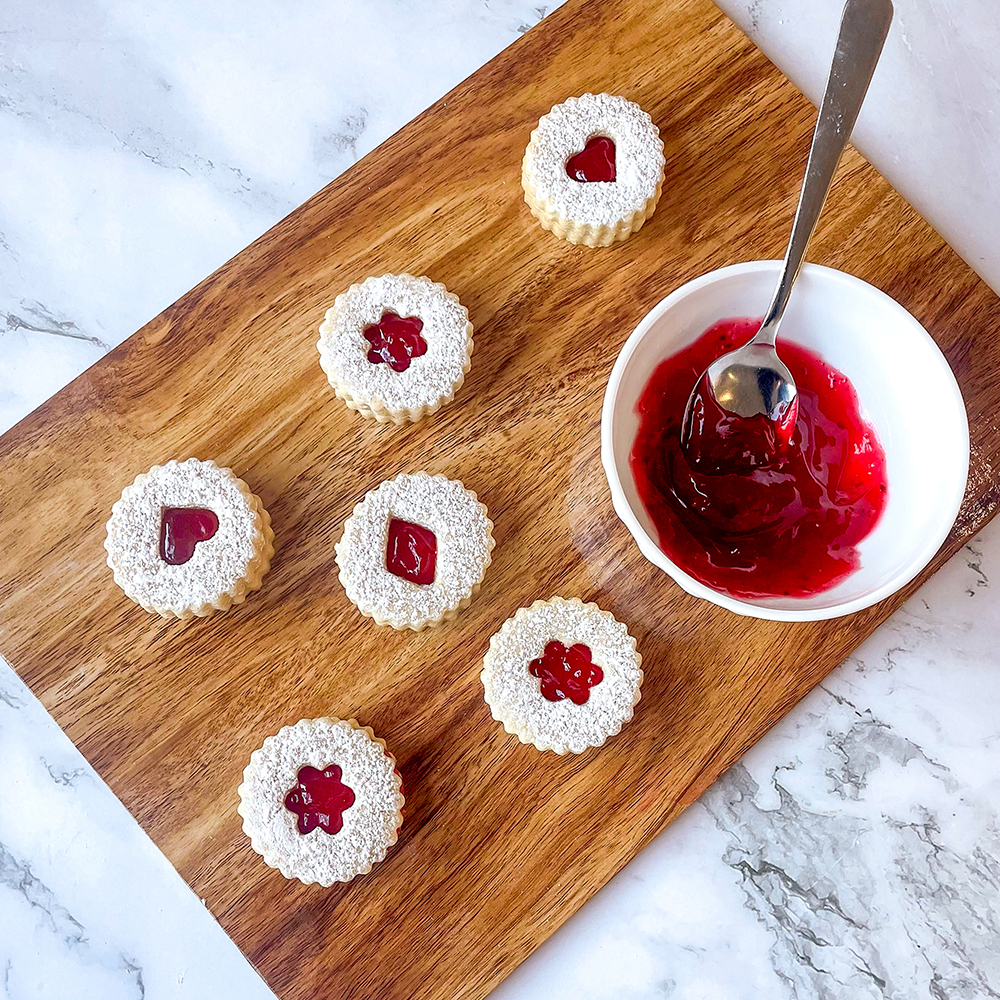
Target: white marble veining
point(852, 853)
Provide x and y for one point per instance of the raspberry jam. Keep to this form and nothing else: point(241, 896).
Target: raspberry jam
point(714, 439)
point(566, 673)
point(595, 162)
point(181, 529)
point(319, 798)
point(783, 524)
point(411, 551)
point(395, 340)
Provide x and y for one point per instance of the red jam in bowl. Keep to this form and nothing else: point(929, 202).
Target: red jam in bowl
point(785, 525)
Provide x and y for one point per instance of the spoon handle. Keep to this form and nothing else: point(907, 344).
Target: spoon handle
point(863, 28)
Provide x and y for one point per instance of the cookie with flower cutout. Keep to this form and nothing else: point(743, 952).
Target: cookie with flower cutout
point(188, 538)
point(593, 170)
point(396, 348)
point(415, 550)
point(322, 801)
point(562, 675)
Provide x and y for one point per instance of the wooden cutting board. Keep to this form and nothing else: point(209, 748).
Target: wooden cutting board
point(501, 844)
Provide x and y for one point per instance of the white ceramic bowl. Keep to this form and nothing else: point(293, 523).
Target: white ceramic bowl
point(906, 389)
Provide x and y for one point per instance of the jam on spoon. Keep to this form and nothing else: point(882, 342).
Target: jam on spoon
point(715, 440)
point(752, 382)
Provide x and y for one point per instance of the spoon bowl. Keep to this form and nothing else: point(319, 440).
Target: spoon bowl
point(717, 439)
point(756, 365)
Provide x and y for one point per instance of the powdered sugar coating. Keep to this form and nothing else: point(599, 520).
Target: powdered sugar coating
point(464, 535)
point(222, 568)
point(639, 160)
point(376, 389)
point(370, 824)
point(514, 695)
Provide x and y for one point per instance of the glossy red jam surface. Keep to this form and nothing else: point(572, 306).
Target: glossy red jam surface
point(395, 340)
point(715, 440)
point(181, 529)
point(411, 551)
point(788, 525)
point(319, 798)
point(566, 673)
point(595, 162)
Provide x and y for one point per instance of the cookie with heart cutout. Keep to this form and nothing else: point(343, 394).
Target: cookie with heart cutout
point(593, 170)
point(396, 348)
point(188, 538)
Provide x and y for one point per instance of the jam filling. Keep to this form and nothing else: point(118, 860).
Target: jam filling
point(762, 519)
point(595, 162)
point(411, 551)
point(181, 529)
point(395, 340)
point(566, 673)
point(319, 798)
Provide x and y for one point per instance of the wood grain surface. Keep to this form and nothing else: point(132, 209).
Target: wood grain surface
point(500, 844)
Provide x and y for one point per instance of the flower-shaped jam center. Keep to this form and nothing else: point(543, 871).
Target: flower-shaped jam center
point(411, 551)
point(566, 673)
point(595, 162)
point(395, 340)
point(319, 798)
point(181, 529)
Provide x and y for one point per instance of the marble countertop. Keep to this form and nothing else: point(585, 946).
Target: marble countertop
point(853, 852)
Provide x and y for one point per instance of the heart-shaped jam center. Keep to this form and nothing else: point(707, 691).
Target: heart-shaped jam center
point(319, 798)
point(395, 340)
point(181, 529)
point(411, 551)
point(595, 162)
point(566, 673)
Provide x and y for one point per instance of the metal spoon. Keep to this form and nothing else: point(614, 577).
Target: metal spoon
point(753, 380)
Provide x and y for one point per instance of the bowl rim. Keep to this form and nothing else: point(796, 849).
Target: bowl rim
point(649, 547)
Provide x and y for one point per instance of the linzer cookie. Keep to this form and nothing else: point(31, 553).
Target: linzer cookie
point(396, 348)
point(593, 170)
point(415, 550)
point(188, 538)
point(562, 675)
point(322, 800)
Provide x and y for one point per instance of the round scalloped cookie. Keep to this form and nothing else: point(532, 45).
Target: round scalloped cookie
point(396, 348)
point(322, 800)
point(415, 550)
point(562, 675)
point(188, 538)
point(598, 212)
